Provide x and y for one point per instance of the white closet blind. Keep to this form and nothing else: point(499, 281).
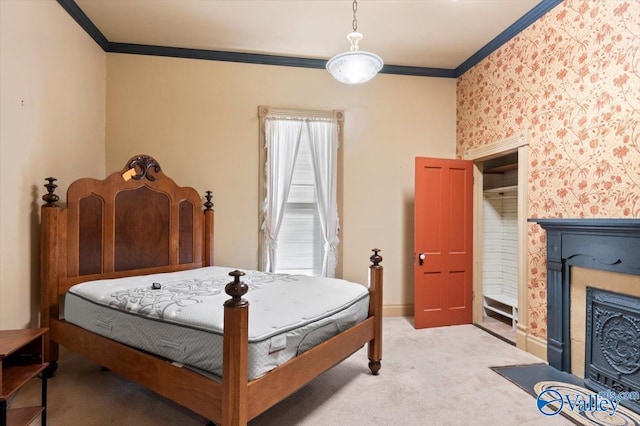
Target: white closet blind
point(500, 239)
point(300, 241)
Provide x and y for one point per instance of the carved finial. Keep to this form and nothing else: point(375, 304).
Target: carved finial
point(50, 198)
point(208, 205)
point(236, 289)
point(143, 164)
point(375, 257)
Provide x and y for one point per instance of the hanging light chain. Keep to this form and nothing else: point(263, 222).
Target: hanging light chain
point(355, 66)
point(355, 20)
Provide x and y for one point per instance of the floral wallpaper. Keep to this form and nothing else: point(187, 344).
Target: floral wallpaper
point(572, 82)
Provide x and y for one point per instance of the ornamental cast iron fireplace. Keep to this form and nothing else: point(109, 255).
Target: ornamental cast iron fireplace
point(612, 359)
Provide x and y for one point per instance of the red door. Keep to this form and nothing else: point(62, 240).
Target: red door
point(443, 242)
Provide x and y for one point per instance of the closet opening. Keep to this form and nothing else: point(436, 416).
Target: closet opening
point(500, 262)
point(500, 295)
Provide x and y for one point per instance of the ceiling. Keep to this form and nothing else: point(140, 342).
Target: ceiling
point(410, 33)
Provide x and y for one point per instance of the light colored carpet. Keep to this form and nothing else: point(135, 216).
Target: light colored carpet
point(437, 376)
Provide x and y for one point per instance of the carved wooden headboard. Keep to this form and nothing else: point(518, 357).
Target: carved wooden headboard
point(136, 221)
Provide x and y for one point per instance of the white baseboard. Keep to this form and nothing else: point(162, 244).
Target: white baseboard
point(397, 311)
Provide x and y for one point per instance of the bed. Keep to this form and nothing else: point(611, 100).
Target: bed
point(138, 224)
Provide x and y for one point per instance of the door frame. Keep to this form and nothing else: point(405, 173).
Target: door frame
point(519, 143)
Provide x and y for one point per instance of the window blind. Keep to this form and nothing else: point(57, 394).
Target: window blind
point(300, 241)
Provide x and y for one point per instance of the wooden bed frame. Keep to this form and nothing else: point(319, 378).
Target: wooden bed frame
point(138, 221)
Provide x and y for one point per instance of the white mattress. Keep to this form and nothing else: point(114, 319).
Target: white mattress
point(183, 320)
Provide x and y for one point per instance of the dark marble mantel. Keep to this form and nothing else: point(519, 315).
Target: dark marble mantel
point(606, 244)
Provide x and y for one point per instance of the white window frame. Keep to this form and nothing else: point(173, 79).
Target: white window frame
point(265, 112)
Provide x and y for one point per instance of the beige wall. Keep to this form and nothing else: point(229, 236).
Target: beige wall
point(199, 120)
point(571, 82)
point(52, 89)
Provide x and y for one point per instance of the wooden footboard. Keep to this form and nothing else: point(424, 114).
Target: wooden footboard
point(243, 400)
point(273, 387)
point(93, 238)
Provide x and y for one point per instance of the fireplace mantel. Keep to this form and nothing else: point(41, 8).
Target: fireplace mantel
point(592, 226)
point(606, 244)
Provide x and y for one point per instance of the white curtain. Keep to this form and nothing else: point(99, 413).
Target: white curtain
point(323, 142)
point(282, 138)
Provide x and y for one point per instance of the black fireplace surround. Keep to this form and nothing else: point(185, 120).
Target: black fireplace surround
point(606, 244)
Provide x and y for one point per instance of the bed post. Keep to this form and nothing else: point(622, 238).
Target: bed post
point(375, 310)
point(235, 406)
point(49, 252)
point(208, 230)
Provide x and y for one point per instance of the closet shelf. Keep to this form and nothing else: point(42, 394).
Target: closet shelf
point(502, 304)
point(501, 169)
point(512, 188)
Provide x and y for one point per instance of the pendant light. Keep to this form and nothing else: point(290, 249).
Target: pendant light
point(355, 66)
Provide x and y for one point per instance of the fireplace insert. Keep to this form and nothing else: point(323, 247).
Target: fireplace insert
point(612, 358)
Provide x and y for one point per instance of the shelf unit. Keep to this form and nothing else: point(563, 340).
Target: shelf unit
point(503, 305)
point(502, 189)
point(21, 359)
point(500, 236)
point(502, 168)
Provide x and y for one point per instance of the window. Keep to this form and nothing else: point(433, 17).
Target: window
point(299, 215)
point(300, 242)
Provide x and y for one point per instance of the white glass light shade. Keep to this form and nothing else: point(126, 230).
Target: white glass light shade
point(354, 67)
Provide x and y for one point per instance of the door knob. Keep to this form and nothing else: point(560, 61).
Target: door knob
point(421, 258)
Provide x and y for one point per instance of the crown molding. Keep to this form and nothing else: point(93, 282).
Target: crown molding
point(214, 55)
point(289, 61)
point(516, 28)
point(83, 20)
